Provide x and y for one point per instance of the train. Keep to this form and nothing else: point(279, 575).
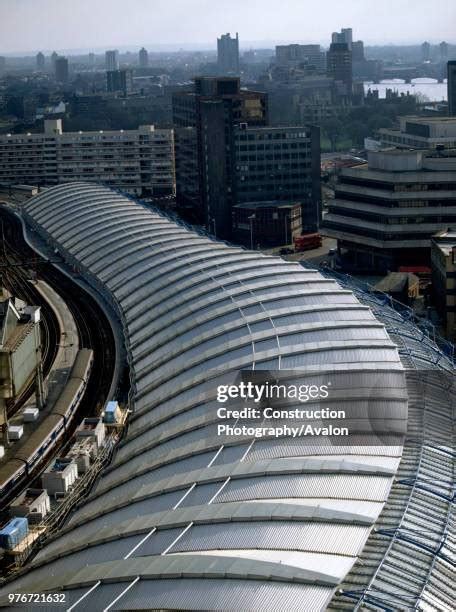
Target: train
point(44, 438)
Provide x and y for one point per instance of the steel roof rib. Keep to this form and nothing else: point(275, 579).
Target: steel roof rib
point(182, 518)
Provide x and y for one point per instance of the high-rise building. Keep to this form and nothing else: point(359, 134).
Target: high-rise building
point(2, 64)
point(138, 161)
point(91, 60)
point(282, 164)
point(344, 36)
point(305, 56)
point(23, 106)
point(40, 61)
point(61, 69)
point(358, 51)
point(143, 58)
point(226, 154)
point(385, 212)
point(228, 54)
point(204, 121)
point(339, 65)
point(425, 51)
point(119, 80)
point(443, 48)
point(112, 60)
point(451, 85)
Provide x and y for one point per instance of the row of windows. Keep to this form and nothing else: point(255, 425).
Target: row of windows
point(358, 214)
point(395, 186)
point(269, 156)
point(289, 187)
point(276, 147)
point(273, 167)
point(83, 140)
point(367, 199)
point(92, 170)
point(376, 234)
point(270, 214)
point(261, 177)
point(94, 157)
point(272, 136)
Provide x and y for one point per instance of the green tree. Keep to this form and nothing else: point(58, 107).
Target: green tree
point(333, 128)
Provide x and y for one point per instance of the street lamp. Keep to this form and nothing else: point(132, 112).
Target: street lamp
point(251, 219)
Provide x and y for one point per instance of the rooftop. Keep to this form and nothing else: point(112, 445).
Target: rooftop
point(180, 518)
point(445, 241)
point(429, 120)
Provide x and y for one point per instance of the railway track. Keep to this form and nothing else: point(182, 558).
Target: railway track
point(93, 327)
point(94, 330)
point(17, 281)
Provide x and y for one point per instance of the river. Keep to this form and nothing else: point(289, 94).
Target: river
point(430, 88)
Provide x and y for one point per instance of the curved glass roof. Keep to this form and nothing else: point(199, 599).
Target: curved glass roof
point(182, 518)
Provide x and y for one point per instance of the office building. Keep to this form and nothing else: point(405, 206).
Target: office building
point(443, 261)
point(54, 56)
point(61, 70)
point(451, 84)
point(385, 212)
point(309, 100)
point(309, 57)
point(226, 154)
point(23, 107)
point(266, 223)
point(143, 58)
point(119, 81)
point(416, 132)
point(339, 66)
point(2, 65)
point(443, 49)
point(204, 121)
point(91, 60)
point(138, 161)
point(228, 54)
point(40, 60)
point(358, 51)
point(280, 163)
point(426, 52)
point(112, 60)
point(345, 36)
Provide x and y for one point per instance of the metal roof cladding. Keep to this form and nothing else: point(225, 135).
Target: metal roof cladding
point(183, 519)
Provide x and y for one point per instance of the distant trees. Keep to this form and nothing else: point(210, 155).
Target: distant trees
point(352, 127)
point(333, 129)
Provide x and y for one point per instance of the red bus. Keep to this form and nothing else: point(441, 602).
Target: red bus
point(307, 241)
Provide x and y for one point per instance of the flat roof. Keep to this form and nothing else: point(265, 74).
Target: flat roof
point(424, 120)
point(445, 240)
point(446, 235)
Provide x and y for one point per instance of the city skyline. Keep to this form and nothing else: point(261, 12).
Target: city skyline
point(104, 24)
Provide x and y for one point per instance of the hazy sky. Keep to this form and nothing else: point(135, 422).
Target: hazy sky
point(30, 25)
